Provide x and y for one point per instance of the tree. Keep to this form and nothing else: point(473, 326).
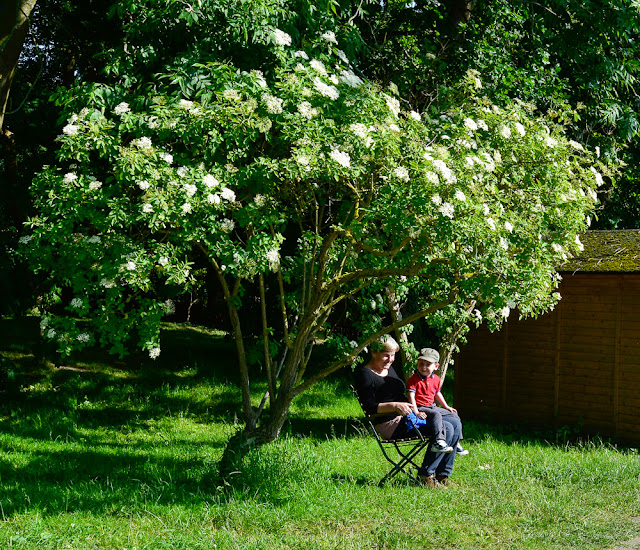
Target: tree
point(302, 188)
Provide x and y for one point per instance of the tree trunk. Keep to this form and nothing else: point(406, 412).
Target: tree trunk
point(449, 343)
point(14, 15)
point(396, 315)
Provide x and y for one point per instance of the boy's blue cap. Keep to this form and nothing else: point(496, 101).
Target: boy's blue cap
point(430, 355)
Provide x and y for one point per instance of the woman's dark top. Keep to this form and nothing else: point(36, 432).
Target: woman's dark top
point(373, 389)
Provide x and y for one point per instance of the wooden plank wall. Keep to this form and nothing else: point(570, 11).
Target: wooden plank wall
point(577, 366)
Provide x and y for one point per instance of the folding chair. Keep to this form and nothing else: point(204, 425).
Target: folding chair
point(399, 452)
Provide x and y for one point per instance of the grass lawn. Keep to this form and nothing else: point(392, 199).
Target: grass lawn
point(105, 454)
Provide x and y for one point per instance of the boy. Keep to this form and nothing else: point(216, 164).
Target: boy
point(423, 390)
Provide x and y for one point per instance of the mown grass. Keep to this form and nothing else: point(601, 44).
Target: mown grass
point(103, 454)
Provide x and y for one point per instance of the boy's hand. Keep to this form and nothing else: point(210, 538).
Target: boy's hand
point(421, 415)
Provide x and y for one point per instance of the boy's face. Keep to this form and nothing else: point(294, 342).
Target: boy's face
point(425, 368)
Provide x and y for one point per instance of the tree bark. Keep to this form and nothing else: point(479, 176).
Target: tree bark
point(14, 15)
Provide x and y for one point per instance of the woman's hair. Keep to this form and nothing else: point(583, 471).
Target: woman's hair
point(385, 343)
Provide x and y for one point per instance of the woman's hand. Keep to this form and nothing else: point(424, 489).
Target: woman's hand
point(403, 408)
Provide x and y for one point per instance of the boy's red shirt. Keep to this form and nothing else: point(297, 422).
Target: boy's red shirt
point(424, 388)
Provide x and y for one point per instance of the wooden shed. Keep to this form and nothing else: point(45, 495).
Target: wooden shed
point(577, 366)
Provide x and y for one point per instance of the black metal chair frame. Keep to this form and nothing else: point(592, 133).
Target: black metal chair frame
point(406, 450)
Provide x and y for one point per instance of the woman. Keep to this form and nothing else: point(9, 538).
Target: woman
point(382, 392)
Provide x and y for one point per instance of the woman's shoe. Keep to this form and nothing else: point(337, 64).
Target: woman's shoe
point(431, 481)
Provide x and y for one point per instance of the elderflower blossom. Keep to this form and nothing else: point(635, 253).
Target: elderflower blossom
point(301, 54)
point(273, 258)
point(505, 131)
point(228, 194)
point(342, 56)
point(415, 115)
point(70, 177)
point(326, 89)
point(393, 104)
point(186, 208)
point(77, 303)
point(470, 124)
point(550, 142)
point(281, 38)
point(318, 66)
point(482, 125)
point(143, 185)
point(307, 110)
point(130, 266)
point(169, 307)
point(167, 157)
point(576, 145)
point(70, 130)
point(598, 176)
point(432, 177)
point(154, 353)
point(213, 198)
point(190, 189)
point(459, 195)
point(227, 225)
point(508, 227)
point(351, 79)
point(340, 157)
point(163, 261)
point(579, 243)
point(185, 104)
point(330, 36)
point(147, 208)
point(505, 312)
point(272, 103)
point(436, 199)
point(107, 283)
point(95, 185)
point(401, 173)
point(210, 181)
point(504, 243)
point(303, 160)
point(259, 200)
point(520, 129)
point(83, 337)
point(491, 223)
point(447, 210)
point(121, 108)
point(142, 143)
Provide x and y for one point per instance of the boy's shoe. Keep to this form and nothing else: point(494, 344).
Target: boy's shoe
point(440, 446)
point(460, 450)
point(432, 482)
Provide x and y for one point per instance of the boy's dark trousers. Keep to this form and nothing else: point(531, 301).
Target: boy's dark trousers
point(434, 418)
